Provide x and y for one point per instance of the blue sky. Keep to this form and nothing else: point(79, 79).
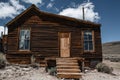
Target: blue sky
point(105, 12)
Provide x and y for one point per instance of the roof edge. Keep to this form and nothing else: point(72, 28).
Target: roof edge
point(18, 16)
point(55, 15)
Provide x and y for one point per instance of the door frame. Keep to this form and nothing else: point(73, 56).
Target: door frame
point(59, 54)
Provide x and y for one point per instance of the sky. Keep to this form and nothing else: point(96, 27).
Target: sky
point(105, 12)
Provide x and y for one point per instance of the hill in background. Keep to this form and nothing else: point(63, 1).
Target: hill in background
point(111, 50)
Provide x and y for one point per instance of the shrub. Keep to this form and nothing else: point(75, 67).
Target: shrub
point(2, 64)
point(52, 71)
point(102, 67)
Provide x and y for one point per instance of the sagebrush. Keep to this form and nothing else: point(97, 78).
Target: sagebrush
point(2, 64)
point(102, 67)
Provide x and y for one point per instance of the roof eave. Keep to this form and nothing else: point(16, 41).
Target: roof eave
point(18, 16)
point(55, 15)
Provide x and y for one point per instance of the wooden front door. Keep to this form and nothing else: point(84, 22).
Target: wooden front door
point(64, 44)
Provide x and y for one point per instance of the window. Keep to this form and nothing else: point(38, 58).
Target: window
point(88, 40)
point(24, 39)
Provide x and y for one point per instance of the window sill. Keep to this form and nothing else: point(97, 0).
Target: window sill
point(24, 50)
point(89, 51)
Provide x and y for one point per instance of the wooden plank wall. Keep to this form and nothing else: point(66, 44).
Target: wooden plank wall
point(45, 40)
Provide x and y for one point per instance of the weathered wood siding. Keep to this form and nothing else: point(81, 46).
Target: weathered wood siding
point(44, 39)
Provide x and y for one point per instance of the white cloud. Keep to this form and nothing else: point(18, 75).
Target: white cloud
point(36, 2)
point(10, 9)
point(16, 4)
point(50, 5)
point(90, 14)
point(2, 30)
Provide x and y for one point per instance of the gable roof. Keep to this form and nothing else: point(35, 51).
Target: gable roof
point(34, 8)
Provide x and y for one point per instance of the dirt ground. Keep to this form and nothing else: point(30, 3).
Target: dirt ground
point(94, 75)
point(20, 72)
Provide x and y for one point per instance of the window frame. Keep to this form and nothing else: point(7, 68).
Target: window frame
point(29, 39)
point(93, 41)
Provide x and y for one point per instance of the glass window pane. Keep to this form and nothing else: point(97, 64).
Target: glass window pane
point(85, 37)
point(21, 34)
point(85, 45)
point(88, 44)
point(27, 34)
point(90, 37)
point(24, 42)
point(21, 44)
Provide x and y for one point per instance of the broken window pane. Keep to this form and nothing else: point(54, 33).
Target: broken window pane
point(24, 40)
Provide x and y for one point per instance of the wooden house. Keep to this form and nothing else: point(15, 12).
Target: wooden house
point(37, 36)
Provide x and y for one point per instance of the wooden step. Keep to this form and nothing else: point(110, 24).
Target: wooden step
point(69, 75)
point(67, 61)
point(68, 64)
point(68, 68)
